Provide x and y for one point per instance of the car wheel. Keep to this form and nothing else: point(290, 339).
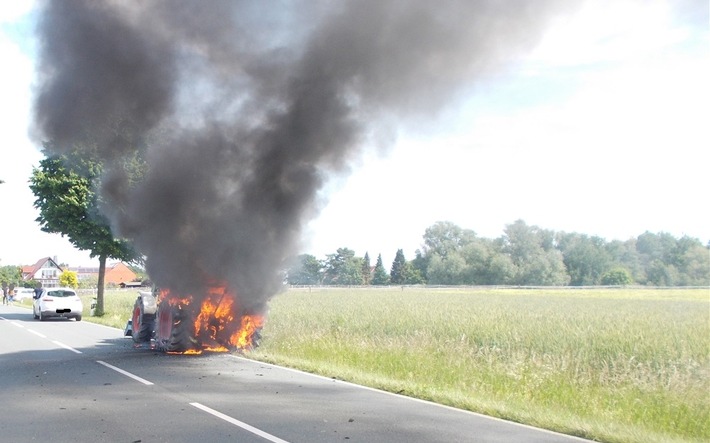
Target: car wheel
point(34, 314)
point(41, 317)
point(77, 318)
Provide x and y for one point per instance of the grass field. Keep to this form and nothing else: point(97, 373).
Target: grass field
point(616, 365)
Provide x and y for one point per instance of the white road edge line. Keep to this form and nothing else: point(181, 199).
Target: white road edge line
point(19, 325)
point(39, 334)
point(65, 346)
point(126, 373)
point(236, 422)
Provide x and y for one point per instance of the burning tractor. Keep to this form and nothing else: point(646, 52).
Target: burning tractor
point(191, 325)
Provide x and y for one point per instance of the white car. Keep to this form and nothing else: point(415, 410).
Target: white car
point(23, 293)
point(57, 302)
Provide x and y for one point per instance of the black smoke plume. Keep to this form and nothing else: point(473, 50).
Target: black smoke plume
point(243, 110)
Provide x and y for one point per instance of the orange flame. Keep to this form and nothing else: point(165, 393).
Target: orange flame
point(219, 326)
point(243, 338)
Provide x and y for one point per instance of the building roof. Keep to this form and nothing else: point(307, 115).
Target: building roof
point(116, 273)
point(94, 269)
point(32, 269)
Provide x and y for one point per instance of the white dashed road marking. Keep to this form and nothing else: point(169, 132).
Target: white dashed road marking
point(58, 343)
point(38, 334)
point(126, 373)
point(241, 424)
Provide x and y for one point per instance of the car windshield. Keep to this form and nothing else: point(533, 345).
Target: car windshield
point(61, 293)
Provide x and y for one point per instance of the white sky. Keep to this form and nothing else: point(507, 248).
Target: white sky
point(602, 130)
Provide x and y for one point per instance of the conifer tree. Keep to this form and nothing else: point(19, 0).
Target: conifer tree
point(380, 276)
point(366, 271)
point(398, 271)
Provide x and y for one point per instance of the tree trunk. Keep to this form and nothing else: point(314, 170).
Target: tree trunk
point(99, 312)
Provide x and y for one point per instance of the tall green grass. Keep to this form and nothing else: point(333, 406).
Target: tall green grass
point(614, 365)
point(118, 307)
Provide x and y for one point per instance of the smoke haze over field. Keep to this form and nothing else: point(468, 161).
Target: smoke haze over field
point(244, 110)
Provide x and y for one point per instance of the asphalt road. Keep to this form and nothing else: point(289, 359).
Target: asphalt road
point(62, 380)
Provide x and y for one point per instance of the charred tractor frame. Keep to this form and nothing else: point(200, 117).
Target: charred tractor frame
point(169, 326)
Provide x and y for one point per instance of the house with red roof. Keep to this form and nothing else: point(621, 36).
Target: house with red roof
point(118, 274)
point(46, 271)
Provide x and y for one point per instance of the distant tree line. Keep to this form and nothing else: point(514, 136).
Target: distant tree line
point(524, 255)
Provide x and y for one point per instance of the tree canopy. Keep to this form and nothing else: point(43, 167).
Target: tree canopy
point(9, 275)
point(69, 279)
point(64, 187)
point(531, 256)
point(343, 268)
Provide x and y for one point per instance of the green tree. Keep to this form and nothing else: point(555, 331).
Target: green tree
point(366, 270)
point(351, 274)
point(500, 270)
point(380, 276)
point(656, 246)
point(412, 275)
point(343, 268)
point(306, 271)
point(64, 187)
point(446, 270)
point(532, 251)
point(445, 237)
point(486, 264)
point(616, 277)
point(667, 261)
point(10, 275)
point(444, 243)
point(585, 258)
point(418, 267)
point(654, 252)
point(692, 260)
point(624, 255)
point(69, 279)
point(659, 273)
point(404, 272)
point(399, 269)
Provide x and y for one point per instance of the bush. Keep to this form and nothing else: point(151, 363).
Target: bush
point(617, 277)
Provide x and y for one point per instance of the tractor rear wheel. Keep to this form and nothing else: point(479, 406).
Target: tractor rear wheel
point(175, 331)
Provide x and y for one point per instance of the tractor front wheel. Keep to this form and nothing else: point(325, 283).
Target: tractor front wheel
point(142, 323)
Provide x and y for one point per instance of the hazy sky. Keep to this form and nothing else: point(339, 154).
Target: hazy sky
point(602, 130)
